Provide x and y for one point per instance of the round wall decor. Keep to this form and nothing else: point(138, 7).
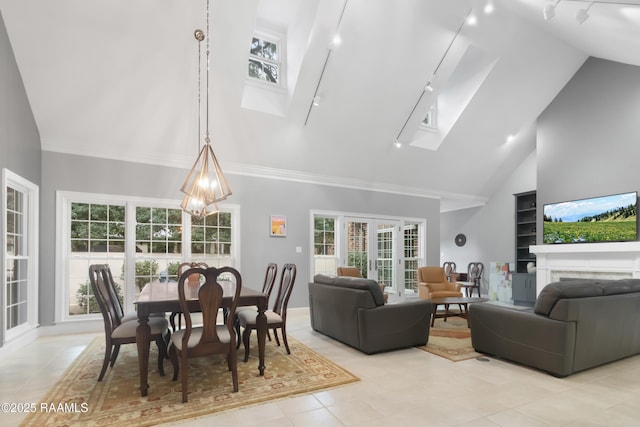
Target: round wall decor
point(461, 239)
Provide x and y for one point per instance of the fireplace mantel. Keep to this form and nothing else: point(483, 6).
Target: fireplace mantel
point(603, 260)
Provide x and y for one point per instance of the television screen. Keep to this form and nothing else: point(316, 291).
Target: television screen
point(599, 219)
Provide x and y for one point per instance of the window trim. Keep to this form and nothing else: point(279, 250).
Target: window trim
point(64, 199)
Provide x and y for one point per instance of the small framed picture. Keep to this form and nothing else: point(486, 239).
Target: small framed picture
point(278, 225)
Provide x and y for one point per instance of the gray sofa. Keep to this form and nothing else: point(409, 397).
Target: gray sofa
point(352, 310)
point(574, 325)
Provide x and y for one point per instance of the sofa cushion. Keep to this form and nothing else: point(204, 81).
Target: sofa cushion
point(624, 286)
point(565, 290)
point(372, 286)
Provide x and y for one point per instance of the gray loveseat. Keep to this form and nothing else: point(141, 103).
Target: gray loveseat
point(352, 310)
point(574, 325)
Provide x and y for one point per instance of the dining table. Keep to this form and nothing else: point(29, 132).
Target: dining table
point(162, 297)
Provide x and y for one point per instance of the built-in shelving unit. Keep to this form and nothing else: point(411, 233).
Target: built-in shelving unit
point(524, 283)
point(525, 229)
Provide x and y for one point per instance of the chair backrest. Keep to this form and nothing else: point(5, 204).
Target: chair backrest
point(474, 272)
point(269, 278)
point(449, 267)
point(186, 265)
point(349, 271)
point(99, 276)
point(431, 275)
point(287, 279)
point(210, 294)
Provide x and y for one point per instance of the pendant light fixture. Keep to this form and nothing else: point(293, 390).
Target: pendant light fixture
point(205, 185)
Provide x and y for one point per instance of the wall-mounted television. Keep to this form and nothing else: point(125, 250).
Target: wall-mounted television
point(598, 219)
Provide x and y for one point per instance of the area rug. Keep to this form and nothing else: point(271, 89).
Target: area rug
point(451, 340)
point(78, 399)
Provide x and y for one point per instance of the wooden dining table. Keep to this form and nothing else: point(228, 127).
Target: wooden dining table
point(162, 297)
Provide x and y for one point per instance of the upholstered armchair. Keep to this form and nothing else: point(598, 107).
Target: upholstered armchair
point(432, 283)
point(349, 271)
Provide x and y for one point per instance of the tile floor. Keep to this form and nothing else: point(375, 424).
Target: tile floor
point(406, 387)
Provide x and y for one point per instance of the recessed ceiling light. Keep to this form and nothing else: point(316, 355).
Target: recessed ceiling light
point(397, 144)
point(472, 19)
point(488, 8)
point(335, 42)
point(510, 138)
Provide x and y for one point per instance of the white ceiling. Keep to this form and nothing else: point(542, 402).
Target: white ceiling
point(118, 79)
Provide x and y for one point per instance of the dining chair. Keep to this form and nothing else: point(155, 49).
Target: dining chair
point(211, 337)
point(449, 267)
point(276, 318)
point(195, 279)
point(116, 331)
point(267, 286)
point(474, 277)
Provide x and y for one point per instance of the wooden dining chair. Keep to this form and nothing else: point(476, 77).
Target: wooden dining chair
point(116, 331)
point(267, 286)
point(211, 337)
point(195, 279)
point(276, 318)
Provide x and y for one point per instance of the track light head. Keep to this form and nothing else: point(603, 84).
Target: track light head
point(428, 88)
point(583, 14)
point(316, 101)
point(549, 10)
point(397, 144)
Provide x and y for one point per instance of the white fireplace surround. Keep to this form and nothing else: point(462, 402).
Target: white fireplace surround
point(612, 260)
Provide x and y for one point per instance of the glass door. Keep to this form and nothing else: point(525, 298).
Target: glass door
point(372, 245)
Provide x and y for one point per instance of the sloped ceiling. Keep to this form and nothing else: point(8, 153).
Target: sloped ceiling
point(118, 79)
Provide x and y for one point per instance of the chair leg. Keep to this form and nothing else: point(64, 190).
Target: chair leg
point(173, 357)
point(275, 335)
point(162, 353)
point(245, 340)
point(236, 326)
point(284, 338)
point(114, 355)
point(185, 378)
point(233, 367)
point(105, 363)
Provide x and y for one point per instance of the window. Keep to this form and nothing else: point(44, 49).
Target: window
point(264, 59)
point(430, 120)
point(97, 235)
point(20, 252)
point(141, 240)
point(412, 257)
point(324, 244)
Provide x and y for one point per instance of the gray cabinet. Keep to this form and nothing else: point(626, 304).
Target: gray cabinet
point(523, 289)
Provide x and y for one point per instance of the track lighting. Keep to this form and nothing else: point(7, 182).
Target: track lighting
point(583, 14)
point(397, 144)
point(316, 101)
point(549, 10)
point(428, 88)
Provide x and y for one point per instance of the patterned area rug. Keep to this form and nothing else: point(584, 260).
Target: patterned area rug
point(451, 340)
point(80, 400)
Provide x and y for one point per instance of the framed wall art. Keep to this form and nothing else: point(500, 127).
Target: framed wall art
point(278, 225)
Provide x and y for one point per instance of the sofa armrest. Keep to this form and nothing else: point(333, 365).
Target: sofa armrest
point(522, 336)
point(393, 326)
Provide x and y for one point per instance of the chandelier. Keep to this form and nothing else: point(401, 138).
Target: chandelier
point(205, 184)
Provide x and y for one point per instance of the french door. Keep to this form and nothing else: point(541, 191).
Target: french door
point(372, 245)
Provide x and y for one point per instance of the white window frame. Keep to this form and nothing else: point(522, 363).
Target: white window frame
point(31, 230)
point(64, 199)
point(279, 41)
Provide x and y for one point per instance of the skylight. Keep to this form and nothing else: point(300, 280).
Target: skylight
point(264, 60)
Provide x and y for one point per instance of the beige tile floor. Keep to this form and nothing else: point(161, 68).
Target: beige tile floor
point(400, 388)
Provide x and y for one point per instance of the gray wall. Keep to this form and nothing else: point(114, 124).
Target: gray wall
point(258, 198)
point(589, 136)
point(490, 229)
point(19, 137)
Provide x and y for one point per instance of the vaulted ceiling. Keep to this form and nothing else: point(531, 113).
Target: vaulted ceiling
point(118, 79)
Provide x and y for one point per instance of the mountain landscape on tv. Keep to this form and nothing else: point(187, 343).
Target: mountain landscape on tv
point(601, 219)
